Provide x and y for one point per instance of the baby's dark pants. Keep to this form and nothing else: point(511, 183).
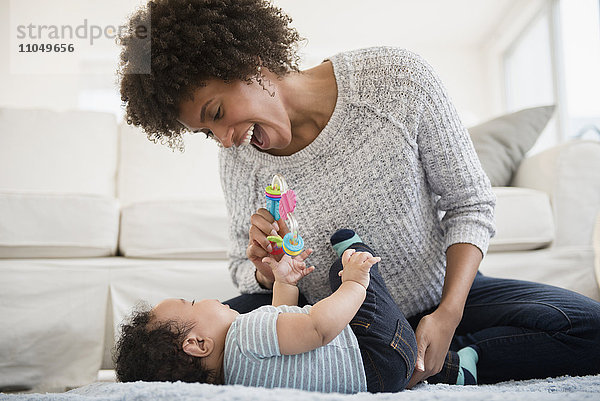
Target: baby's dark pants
point(387, 341)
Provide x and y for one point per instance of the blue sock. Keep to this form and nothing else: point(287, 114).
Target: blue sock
point(342, 239)
point(467, 371)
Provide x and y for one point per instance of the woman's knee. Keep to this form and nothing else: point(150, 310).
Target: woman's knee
point(585, 338)
point(588, 323)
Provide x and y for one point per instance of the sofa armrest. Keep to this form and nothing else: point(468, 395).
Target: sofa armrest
point(570, 174)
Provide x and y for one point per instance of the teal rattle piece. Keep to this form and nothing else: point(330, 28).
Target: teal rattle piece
point(292, 246)
point(273, 195)
point(281, 203)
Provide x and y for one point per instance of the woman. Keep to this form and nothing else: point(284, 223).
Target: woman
point(368, 140)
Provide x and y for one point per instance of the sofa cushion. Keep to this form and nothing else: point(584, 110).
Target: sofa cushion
point(570, 174)
point(49, 225)
point(70, 151)
point(53, 317)
point(502, 143)
point(195, 229)
point(523, 220)
point(569, 267)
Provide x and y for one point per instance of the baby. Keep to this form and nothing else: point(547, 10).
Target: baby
point(352, 341)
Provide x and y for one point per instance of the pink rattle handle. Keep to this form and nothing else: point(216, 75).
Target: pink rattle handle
point(287, 204)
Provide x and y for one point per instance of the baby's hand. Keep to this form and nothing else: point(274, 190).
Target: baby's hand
point(357, 266)
point(288, 270)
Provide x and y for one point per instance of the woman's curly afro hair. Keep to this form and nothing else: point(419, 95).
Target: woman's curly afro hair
point(190, 42)
point(152, 351)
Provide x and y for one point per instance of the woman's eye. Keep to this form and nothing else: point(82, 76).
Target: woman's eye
point(218, 114)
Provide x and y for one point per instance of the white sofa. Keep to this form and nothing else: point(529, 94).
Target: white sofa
point(93, 218)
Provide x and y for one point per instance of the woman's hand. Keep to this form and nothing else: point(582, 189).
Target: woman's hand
point(259, 247)
point(434, 334)
point(288, 270)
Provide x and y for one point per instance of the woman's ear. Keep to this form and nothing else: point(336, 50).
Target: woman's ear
point(198, 346)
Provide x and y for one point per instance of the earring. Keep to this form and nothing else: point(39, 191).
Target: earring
point(262, 80)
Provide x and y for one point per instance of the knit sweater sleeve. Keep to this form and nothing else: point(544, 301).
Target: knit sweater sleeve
point(452, 168)
point(239, 208)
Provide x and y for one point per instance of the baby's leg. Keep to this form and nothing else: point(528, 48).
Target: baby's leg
point(387, 342)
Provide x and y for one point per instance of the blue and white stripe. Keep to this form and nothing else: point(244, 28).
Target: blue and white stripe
point(252, 357)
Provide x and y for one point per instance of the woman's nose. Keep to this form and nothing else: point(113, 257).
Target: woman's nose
point(225, 136)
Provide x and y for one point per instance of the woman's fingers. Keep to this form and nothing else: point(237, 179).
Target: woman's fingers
point(258, 237)
point(421, 349)
point(416, 378)
point(256, 251)
point(264, 223)
point(264, 213)
point(420, 373)
point(283, 228)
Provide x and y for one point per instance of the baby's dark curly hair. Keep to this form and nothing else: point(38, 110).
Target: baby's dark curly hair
point(152, 351)
point(192, 41)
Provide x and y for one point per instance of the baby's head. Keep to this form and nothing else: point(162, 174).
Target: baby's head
point(173, 341)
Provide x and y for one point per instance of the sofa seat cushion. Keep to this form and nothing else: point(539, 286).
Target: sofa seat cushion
point(523, 220)
point(178, 229)
point(53, 321)
point(51, 225)
point(570, 267)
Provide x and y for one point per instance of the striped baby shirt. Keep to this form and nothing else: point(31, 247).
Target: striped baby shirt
point(252, 357)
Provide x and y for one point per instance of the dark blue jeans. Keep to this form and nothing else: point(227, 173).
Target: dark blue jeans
point(525, 330)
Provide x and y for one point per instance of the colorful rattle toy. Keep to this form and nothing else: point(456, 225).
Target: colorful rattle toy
point(281, 203)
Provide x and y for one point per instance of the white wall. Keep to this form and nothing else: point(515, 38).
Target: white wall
point(451, 34)
point(95, 66)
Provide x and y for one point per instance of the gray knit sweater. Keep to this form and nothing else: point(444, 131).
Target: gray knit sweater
point(394, 163)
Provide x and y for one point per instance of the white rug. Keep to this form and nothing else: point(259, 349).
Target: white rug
point(562, 388)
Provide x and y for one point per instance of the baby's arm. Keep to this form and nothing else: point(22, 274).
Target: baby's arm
point(299, 332)
point(284, 294)
point(287, 273)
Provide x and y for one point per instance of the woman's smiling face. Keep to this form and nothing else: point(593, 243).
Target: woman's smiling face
point(238, 112)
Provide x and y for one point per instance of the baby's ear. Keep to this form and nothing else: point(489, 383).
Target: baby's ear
point(198, 346)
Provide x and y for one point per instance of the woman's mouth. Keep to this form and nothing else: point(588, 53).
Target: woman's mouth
point(259, 138)
point(256, 136)
point(249, 135)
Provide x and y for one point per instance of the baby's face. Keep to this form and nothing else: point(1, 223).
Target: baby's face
point(198, 312)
